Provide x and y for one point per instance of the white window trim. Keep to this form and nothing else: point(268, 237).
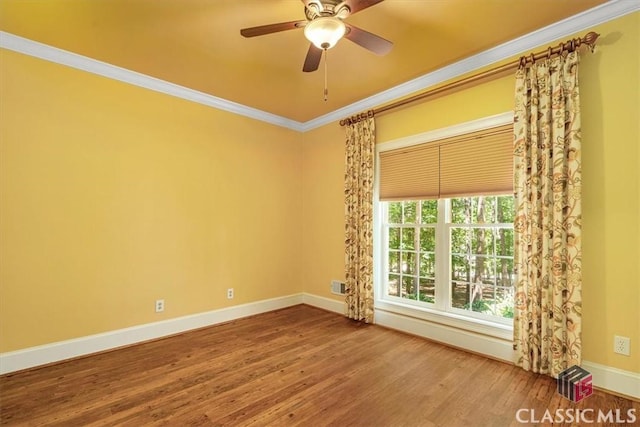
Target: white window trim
point(405, 307)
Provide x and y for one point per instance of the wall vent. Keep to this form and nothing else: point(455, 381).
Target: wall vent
point(337, 287)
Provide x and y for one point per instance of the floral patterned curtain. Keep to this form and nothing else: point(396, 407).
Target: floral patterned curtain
point(547, 169)
point(358, 194)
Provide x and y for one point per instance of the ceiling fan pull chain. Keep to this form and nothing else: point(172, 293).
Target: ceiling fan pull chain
point(326, 90)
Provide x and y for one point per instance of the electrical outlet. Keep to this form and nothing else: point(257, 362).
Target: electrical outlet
point(230, 293)
point(621, 345)
point(159, 305)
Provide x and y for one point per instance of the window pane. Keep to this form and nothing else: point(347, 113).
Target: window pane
point(482, 241)
point(479, 306)
point(394, 262)
point(429, 211)
point(427, 290)
point(460, 269)
point(476, 211)
point(395, 212)
point(461, 211)
point(483, 210)
point(459, 294)
point(505, 209)
point(394, 238)
point(428, 239)
point(393, 285)
point(505, 276)
point(460, 240)
point(408, 238)
point(485, 270)
point(504, 303)
point(408, 263)
point(473, 266)
point(410, 212)
point(409, 286)
point(427, 265)
point(504, 242)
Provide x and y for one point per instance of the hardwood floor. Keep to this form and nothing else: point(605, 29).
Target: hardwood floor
point(296, 366)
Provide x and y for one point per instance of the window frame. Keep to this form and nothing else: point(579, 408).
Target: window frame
point(440, 311)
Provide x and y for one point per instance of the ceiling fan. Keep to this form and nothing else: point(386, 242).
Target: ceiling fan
point(324, 27)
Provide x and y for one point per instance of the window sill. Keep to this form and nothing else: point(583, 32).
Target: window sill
point(452, 320)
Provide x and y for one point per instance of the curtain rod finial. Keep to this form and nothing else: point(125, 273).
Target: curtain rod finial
point(591, 38)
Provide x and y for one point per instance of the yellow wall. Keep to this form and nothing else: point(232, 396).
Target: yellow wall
point(323, 209)
point(112, 196)
point(611, 261)
point(610, 96)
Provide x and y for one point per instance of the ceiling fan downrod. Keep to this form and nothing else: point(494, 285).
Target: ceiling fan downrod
point(326, 89)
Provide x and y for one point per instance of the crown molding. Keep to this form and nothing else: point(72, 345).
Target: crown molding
point(48, 53)
point(598, 15)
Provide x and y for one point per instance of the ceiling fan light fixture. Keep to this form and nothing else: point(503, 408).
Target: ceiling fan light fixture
point(325, 32)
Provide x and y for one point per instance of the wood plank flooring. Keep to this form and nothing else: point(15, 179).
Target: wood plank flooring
point(296, 366)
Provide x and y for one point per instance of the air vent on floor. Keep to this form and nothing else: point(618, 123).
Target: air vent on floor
point(337, 287)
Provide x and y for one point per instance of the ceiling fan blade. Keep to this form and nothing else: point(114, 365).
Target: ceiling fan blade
point(312, 61)
point(358, 5)
point(272, 28)
point(367, 40)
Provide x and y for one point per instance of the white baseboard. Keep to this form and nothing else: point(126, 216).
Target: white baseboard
point(58, 351)
point(604, 377)
point(324, 303)
point(612, 379)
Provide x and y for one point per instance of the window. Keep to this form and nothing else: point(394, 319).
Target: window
point(445, 223)
point(410, 230)
point(480, 230)
point(454, 255)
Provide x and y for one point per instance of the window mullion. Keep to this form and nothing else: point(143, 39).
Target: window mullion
point(416, 246)
point(442, 257)
point(384, 250)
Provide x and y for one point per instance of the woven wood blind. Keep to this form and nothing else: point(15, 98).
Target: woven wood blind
point(478, 163)
point(409, 173)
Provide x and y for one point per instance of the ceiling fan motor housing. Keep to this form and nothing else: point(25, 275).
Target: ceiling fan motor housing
point(317, 9)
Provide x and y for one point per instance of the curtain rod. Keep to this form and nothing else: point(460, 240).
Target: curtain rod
point(569, 46)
